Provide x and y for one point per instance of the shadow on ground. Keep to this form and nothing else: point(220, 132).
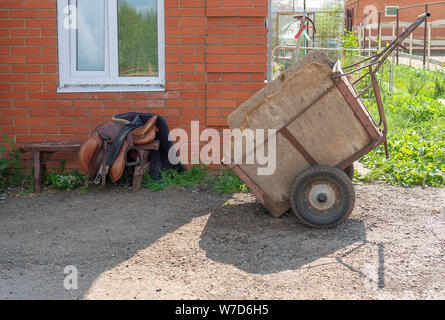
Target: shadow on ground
point(252, 240)
point(40, 236)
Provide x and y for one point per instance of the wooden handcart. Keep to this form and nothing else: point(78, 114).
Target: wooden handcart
point(322, 127)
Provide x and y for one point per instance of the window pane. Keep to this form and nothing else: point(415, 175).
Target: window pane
point(138, 38)
point(90, 35)
point(391, 11)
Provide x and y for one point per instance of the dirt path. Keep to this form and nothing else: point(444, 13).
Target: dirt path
point(188, 244)
point(419, 63)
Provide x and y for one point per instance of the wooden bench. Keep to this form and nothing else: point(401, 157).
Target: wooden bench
point(139, 170)
point(42, 152)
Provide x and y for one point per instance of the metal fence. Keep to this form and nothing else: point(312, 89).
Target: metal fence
point(284, 55)
point(426, 47)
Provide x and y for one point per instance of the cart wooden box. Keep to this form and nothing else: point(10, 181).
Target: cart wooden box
point(322, 127)
point(318, 121)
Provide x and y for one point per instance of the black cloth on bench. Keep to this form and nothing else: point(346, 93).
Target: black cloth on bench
point(158, 158)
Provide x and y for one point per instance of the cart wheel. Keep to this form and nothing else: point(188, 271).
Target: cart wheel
point(350, 171)
point(322, 196)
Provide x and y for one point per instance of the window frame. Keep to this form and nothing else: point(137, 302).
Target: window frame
point(72, 80)
point(391, 7)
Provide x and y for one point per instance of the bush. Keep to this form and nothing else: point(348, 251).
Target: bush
point(10, 166)
point(439, 87)
point(414, 160)
point(416, 131)
point(349, 41)
point(65, 181)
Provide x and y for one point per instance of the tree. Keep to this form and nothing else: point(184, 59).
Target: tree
point(138, 41)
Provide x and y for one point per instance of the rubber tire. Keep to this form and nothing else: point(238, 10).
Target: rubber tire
point(346, 190)
point(350, 171)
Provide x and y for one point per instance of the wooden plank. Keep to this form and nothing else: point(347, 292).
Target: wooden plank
point(51, 146)
point(140, 170)
point(358, 107)
point(288, 135)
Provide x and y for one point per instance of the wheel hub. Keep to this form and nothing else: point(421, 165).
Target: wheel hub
point(322, 196)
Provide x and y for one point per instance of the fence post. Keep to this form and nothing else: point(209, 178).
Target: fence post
point(364, 34)
point(370, 40)
point(410, 49)
point(429, 44)
point(379, 33)
point(391, 74)
point(393, 32)
point(424, 38)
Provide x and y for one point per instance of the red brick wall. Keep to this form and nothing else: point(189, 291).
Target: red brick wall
point(215, 59)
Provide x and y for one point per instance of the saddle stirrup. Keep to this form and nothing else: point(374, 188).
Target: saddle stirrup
point(98, 177)
point(138, 160)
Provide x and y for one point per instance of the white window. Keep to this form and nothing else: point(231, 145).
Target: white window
point(111, 45)
point(391, 11)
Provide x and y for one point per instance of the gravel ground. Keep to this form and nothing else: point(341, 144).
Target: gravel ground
point(194, 244)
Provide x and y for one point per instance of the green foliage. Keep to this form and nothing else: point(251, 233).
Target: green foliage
point(415, 160)
point(172, 178)
point(225, 182)
point(439, 87)
point(138, 41)
point(65, 181)
point(416, 137)
point(228, 182)
point(416, 81)
point(9, 165)
point(153, 185)
point(277, 69)
point(415, 108)
point(349, 41)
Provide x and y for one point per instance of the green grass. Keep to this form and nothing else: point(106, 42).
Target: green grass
point(225, 182)
point(65, 181)
point(416, 131)
point(172, 178)
point(228, 182)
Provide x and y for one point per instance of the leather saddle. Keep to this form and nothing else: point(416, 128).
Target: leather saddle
point(117, 140)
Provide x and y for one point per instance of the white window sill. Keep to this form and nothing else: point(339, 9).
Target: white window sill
point(117, 88)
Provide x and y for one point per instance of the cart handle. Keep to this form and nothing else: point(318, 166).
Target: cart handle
point(385, 53)
point(374, 66)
